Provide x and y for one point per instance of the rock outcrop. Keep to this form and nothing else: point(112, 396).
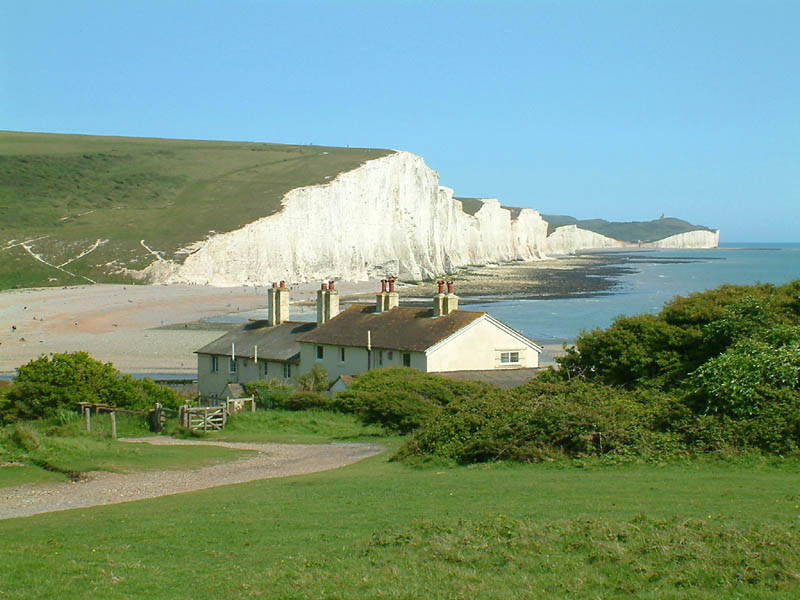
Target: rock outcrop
point(388, 216)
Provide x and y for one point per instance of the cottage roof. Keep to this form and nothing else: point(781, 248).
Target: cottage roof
point(404, 328)
point(278, 343)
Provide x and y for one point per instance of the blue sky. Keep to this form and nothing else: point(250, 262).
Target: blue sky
point(612, 109)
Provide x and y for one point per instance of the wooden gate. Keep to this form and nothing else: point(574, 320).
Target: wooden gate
point(207, 418)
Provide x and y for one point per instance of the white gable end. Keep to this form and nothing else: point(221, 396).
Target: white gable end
point(484, 344)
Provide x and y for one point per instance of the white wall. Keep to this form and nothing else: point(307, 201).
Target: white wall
point(478, 347)
point(355, 359)
point(212, 383)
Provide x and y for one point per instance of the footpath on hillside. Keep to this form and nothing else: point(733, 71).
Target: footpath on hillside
point(100, 487)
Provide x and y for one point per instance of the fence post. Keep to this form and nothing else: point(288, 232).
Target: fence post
point(113, 425)
point(88, 413)
point(205, 420)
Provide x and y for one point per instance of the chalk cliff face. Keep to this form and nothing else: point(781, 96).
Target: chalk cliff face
point(568, 239)
point(690, 239)
point(388, 216)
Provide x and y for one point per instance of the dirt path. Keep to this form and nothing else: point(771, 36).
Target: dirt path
point(272, 460)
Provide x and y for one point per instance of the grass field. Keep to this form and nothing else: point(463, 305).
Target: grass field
point(66, 192)
point(377, 529)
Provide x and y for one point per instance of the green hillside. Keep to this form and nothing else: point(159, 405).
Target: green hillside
point(631, 231)
point(65, 192)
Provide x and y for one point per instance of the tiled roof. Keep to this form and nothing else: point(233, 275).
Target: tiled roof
point(403, 328)
point(277, 343)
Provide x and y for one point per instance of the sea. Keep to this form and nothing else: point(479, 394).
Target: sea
point(654, 278)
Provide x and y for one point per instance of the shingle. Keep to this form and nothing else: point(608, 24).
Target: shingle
point(274, 343)
point(403, 328)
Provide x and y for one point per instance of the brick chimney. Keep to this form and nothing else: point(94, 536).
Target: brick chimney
point(438, 300)
point(392, 298)
point(450, 300)
point(380, 298)
point(332, 303)
point(278, 304)
point(322, 292)
point(327, 303)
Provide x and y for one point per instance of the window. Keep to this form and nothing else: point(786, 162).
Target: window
point(265, 368)
point(214, 364)
point(380, 358)
point(509, 358)
point(390, 354)
point(232, 365)
point(287, 370)
point(406, 359)
point(319, 352)
point(342, 354)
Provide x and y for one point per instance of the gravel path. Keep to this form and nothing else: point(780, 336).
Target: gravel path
point(100, 487)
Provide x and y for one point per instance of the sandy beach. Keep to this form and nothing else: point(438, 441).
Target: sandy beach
point(122, 323)
point(156, 328)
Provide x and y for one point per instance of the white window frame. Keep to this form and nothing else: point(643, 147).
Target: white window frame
point(214, 363)
point(233, 367)
point(507, 357)
point(287, 370)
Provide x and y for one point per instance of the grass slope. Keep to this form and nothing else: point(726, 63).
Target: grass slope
point(383, 530)
point(631, 231)
point(68, 191)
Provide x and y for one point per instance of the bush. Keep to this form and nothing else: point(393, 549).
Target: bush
point(51, 384)
point(316, 380)
point(396, 410)
point(305, 401)
point(401, 399)
point(269, 393)
point(543, 420)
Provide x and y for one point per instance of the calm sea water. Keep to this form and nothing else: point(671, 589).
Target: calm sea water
point(649, 287)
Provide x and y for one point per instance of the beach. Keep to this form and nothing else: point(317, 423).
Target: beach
point(156, 328)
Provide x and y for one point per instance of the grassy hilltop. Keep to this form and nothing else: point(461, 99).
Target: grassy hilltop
point(68, 191)
point(629, 231)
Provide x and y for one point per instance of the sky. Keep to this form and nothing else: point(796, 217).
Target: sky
point(623, 110)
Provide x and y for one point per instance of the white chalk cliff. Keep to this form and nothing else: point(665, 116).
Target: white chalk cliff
point(389, 215)
point(690, 239)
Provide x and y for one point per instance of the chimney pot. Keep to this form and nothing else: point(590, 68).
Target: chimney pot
point(391, 283)
point(449, 287)
point(440, 283)
point(330, 285)
point(324, 286)
point(383, 285)
point(274, 284)
point(283, 284)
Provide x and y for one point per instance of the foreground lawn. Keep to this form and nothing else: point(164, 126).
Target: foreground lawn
point(382, 529)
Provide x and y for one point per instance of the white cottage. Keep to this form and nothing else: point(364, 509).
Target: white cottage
point(439, 339)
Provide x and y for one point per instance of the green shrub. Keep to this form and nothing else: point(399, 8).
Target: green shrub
point(305, 401)
point(51, 384)
point(401, 399)
point(316, 380)
point(662, 350)
point(543, 420)
point(269, 393)
point(434, 388)
point(396, 410)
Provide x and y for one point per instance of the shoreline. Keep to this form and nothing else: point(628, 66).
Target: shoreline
point(154, 329)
